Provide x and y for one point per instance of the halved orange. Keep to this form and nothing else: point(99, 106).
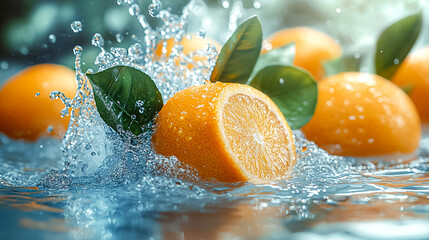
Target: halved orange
point(227, 132)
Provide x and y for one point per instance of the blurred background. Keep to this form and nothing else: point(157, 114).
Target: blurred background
point(39, 31)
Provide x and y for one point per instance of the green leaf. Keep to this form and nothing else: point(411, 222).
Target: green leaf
point(125, 97)
point(239, 54)
point(278, 56)
point(292, 89)
point(395, 43)
point(345, 63)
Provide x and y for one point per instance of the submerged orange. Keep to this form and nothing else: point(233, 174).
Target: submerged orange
point(414, 73)
point(227, 132)
point(26, 111)
point(361, 114)
point(312, 48)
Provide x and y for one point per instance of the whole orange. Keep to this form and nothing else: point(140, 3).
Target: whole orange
point(312, 48)
point(361, 114)
point(414, 73)
point(190, 45)
point(26, 111)
point(226, 132)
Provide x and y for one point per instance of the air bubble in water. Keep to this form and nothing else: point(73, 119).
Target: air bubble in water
point(76, 26)
point(52, 38)
point(37, 94)
point(97, 40)
point(154, 8)
point(134, 9)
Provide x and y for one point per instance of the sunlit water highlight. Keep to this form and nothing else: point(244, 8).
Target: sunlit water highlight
point(101, 184)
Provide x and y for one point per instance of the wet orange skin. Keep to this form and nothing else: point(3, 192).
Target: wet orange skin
point(414, 73)
point(360, 114)
point(312, 48)
point(23, 115)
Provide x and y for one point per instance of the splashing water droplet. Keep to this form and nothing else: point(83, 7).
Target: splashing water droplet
point(143, 22)
point(24, 50)
point(134, 9)
point(139, 103)
point(4, 65)
point(120, 53)
point(202, 33)
point(50, 129)
point(257, 4)
point(64, 112)
point(396, 61)
point(104, 59)
point(76, 26)
point(119, 2)
point(54, 95)
point(52, 38)
point(119, 38)
point(155, 8)
point(77, 50)
point(225, 4)
point(136, 51)
point(97, 40)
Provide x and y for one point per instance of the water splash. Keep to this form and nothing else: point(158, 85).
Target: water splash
point(90, 148)
point(117, 184)
point(52, 38)
point(76, 26)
